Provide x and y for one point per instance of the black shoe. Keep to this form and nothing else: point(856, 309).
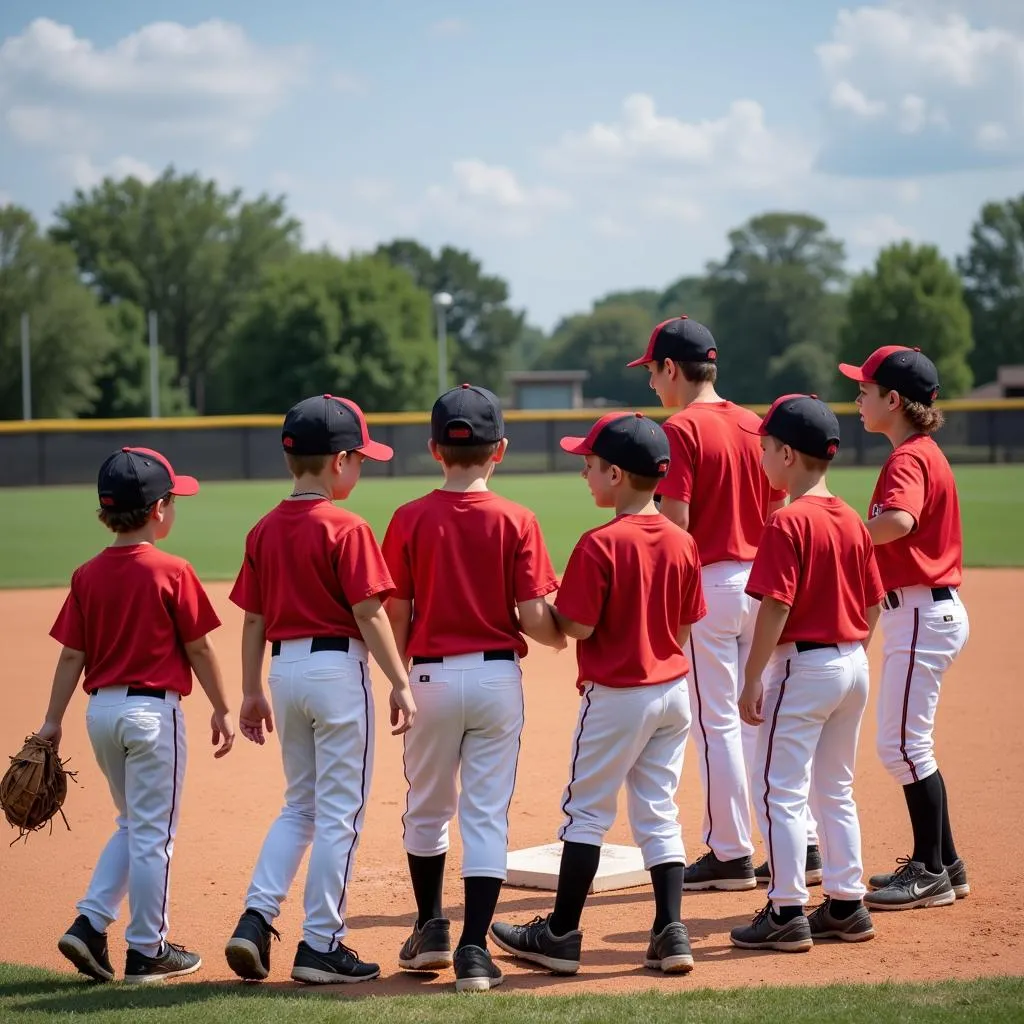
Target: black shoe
point(812, 869)
point(913, 887)
point(765, 932)
point(172, 962)
point(669, 951)
point(475, 971)
point(708, 872)
point(340, 966)
point(858, 927)
point(248, 949)
point(535, 942)
point(428, 948)
point(86, 948)
point(957, 872)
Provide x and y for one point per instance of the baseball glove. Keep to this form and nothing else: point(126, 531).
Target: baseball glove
point(34, 787)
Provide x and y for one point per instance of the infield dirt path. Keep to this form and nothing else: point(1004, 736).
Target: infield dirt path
point(229, 804)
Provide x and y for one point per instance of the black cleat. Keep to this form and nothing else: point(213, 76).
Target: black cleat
point(535, 942)
point(708, 872)
point(765, 932)
point(669, 951)
point(172, 962)
point(428, 948)
point(812, 871)
point(86, 948)
point(340, 966)
point(475, 971)
point(248, 949)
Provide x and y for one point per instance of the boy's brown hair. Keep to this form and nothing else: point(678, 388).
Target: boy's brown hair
point(466, 456)
point(129, 522)
point(301, 465)
point(644, 484)
point(695, 373)
point(925, 419)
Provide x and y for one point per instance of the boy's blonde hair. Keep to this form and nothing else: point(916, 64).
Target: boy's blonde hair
point(925, 419)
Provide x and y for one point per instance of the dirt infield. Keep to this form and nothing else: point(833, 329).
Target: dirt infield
point(229, 804)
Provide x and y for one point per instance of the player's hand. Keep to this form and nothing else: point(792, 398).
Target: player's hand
point(752, 702)
point(52, 732)
point(403, 710)
point(254, 717)
point(223, 732)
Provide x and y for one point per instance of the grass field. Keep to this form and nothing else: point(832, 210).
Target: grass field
point(35, 997)
point(46, 532)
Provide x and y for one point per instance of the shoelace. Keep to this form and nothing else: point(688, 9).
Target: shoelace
point(904, 866)
point(763, 913)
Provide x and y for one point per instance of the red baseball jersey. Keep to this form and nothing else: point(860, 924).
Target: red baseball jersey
point(636, 580)
point(465, 561)
point(716, 468)
point(816, 555)
point(131, 610)
point(306, 564)
point(917, 479)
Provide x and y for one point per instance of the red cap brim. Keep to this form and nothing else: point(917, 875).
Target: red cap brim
point(185, 486)
point(377, 451)
point(642, 361)
point(855, 373)
point(760, 432)
point(575, 446)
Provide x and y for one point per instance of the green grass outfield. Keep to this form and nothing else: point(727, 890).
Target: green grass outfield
point(46, 532)
point(34, 997)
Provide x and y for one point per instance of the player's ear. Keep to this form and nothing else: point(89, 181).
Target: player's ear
point(499, 455)
point(432, 448)
point(338, 462)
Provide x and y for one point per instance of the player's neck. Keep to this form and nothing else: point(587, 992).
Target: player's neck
point(900, 432)
point(147, 535)
point(466, 479)
point(630, 503)
point(805, 483)
point(310, 487)
point(698, 394)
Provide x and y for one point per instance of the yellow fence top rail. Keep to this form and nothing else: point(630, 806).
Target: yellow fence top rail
point(383, 419)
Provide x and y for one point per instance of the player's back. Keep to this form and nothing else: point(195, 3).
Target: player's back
point(727, 490)
point(465, 559)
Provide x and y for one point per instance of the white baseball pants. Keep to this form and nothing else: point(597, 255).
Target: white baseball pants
point(813, 706)
point(469, 720)
point(139, 743)
point(921, 638)
point(323, 707)
point(637, 736)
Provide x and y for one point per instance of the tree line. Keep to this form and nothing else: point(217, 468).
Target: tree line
point(248, 319)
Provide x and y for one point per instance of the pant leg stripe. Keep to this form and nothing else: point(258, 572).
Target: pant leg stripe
point(703, 732)
point(767, 784)
point(575, 758)
point(906, 697)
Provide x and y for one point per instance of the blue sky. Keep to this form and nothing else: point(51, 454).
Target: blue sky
point(571, 146)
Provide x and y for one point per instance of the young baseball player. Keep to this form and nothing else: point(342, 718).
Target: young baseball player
point(716, 490)
point(136, 621)
point(471, 575)
point(312, 583)
point(819, 591)
point(629, 595)
point(914, 521)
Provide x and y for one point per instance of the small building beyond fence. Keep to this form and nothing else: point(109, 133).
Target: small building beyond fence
point(50, 452)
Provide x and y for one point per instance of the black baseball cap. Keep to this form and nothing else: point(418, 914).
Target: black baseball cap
point(135, 478)
point(326, 425)
point(628, 440)
point(805, 423)
point(467, 415)
point(680, 339)
point(906, 370)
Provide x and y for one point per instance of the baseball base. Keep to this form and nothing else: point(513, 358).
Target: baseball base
point(536, 867)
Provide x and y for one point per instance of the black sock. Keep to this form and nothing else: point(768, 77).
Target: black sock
point(842, 909)
point(481, 899)
point(784, 914)
point(427, 875)
point(667, 881)
point(579, 866)
point(924, 802)
point(949, 854)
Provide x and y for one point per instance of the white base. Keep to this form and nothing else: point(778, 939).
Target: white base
point(622, 867)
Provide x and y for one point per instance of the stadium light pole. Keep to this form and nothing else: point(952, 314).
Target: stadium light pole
point(26, 370)
point(443, 301)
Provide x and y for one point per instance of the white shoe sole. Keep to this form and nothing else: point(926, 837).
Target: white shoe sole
point(788, 946)
point(477, 984)
point(437, 960)
point(944, 899)
point(844, 936)
point(551, 963)
point(244, 959)
point(722, 884)
point(312, 976)
point(78, 953)
point(156, 979)
point(671, 965)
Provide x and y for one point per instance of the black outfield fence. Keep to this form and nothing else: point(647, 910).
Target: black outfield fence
point(49, 452)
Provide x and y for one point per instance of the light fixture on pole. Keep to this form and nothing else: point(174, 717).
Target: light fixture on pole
point(443, 301)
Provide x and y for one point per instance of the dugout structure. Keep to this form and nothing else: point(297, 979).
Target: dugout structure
point(49, 452)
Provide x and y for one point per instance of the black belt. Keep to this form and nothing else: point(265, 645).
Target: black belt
point(892, 598)
point(435, 659)
point(803, 646)
point(145, 691)
point(317, 644)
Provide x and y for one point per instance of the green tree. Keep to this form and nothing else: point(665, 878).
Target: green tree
point(993, 273)
point(687, 295)
point(647, 299)
point(483, 329)
point(182, 247)
point(69, 333)
point(912, 297)
point(777, 289)
point(317, 323)
point(603, 342)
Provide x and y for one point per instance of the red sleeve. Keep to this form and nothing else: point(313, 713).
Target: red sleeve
point(693, 608)
point(396, 556)
point(194, 616)
point(534, 573)
point(682, 450)
point(246, 591)
point(69, 629)
point(903, 486)
point(360, 566)
point(584, 586)
point(776, 569)
point(873, 589)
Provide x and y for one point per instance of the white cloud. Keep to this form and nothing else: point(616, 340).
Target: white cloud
point(447, 28)
point(323, 229)
point(914, 82)
point(348, 83)
point(992, 135)
point(5, 199)
point(879, 230)
point(165, 80)
point(371, 190)
point(83, 173)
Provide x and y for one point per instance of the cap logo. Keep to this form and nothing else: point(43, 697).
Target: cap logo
point(289, 442)
point(935, 393)
point(832, 449)
point(459, 432)
point(712, 354)
point(662, 467)
point(106, 500)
